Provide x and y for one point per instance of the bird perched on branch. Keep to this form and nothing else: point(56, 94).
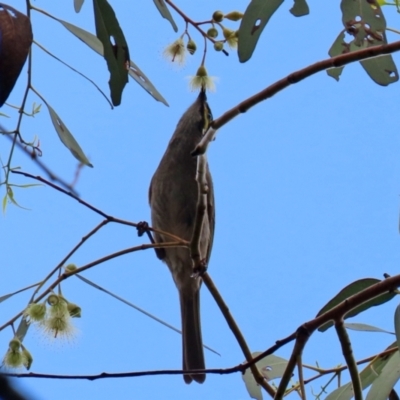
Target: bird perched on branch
point(173, 197)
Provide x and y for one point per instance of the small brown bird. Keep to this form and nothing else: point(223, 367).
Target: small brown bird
point(173, 198)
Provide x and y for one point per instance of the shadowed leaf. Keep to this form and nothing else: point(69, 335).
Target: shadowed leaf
point(66, 137)
point(134, 71)
point(384, 383)
point(116, 50)
point(300, 8)
point(367, 376)
point(164, 11)
point(15, 42)
point(253, 23)
point(365, 328)
point(349, 291)
point(78, 5)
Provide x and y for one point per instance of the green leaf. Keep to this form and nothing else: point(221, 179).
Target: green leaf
point(349, 291)
point(300, 8)
point(365, 328)
point(271, 367)
point(382, 70)
point(253, 23)
point(365, 21)
point(369, 374)
point(7, 296)
point(22, 329)
point(134, 71)
point(66, 137)
point(337, 48)
point(78, 5)
point(397, 324)
point(385, 382)
point(116, 50)
point(142, 80)
point(164, 11)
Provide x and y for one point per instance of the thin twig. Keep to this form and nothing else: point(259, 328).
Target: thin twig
point(290, 79)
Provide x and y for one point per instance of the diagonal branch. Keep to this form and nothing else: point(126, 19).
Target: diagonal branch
point(283, 83)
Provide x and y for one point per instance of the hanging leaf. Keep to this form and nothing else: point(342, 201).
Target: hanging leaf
point(338, 47)
point(367, 376)
point(365, 21)
point(270, 367)
point(78, 5)
point(300, 8)
point(22, 329)
point(15, 42)
point(253, 23)
point(66, 137)
point(116, 50)
point(94, 43)
point(164, 11)
point(365, 328)
point(385, 382)
point(349, 291)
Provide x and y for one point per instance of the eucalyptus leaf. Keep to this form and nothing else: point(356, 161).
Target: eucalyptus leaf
point(349, 291)
point(253, 23)
point(78, 5)
point(134, 71)
point(164, 11)
point(300, 8)
point(66, 137)
point(385, 382)
point(22, 329)
point(365, 328)
point(369, 374)
point(271, 367)
point(337, 48)
point(397, 324)
point(116, 52)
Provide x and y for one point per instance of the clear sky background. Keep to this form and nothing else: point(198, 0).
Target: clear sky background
point(307, 200)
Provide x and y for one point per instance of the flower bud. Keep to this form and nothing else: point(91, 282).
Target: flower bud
point(27, 358)
point(234, 16)
point(212, 32)
point(218, 16)
point(218, 46)
point(191, 46)
point(74, 310)
point(35, 312)
point(70, 268)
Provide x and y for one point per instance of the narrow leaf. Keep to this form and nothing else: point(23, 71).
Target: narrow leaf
point(383, 385)
point(367, 377)
point(78, 5)
point(142, 80)
point(7, 296)
point(365, 328)
point(271, 367)
point(66, 137)
point(22, 329)
point(135, 307)
point(253, 23)
point(349, 291)
point(116, 50)
point(164, 11)
point(300, 8)
point(15, 42)
point(134, 71)
point(338, 47)
point(397, 324)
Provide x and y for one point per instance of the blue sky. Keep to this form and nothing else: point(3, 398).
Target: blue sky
point(306, 186)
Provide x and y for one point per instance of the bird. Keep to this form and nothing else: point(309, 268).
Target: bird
point(173, 196)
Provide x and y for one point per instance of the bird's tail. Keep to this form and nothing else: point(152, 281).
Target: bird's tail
point(193, 356)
